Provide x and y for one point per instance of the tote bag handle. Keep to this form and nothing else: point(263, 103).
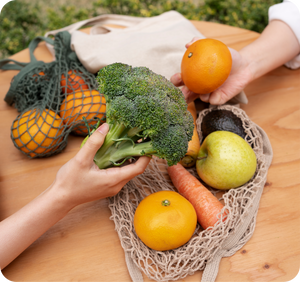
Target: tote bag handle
point(106, 19)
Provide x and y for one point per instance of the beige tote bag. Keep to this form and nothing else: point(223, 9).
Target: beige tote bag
point(154, 42)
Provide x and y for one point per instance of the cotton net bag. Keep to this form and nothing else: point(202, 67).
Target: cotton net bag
point(54, 99)
point(206, 247)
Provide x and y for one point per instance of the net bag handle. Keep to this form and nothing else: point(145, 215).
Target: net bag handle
point(5, 64)
point(23, 67)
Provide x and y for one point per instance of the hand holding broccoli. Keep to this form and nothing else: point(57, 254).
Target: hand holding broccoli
point(147, 115)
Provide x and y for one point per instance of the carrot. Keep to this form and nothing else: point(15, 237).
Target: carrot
point(190, 157)
point(207, 206)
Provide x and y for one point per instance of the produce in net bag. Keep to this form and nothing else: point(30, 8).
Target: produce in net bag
point(54, 99)
point(234, 225)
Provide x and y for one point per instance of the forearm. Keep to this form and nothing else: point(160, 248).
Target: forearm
point(21, 229)
point(276, 46)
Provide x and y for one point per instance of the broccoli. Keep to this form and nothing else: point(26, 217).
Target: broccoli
point(146, 113)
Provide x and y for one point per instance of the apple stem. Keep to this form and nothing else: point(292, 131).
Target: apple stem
point(201, 158)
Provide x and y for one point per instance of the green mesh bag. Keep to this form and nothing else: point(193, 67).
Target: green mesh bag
point(54, 99)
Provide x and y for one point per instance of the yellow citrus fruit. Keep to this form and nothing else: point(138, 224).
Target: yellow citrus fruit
point(205, 65)
point(88, 104)
point(165, 220)
point(37, 131)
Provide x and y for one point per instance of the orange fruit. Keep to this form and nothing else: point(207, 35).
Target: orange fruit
point(73, 82)
point(37, 131)
point(88, 104)
point(205, 65)
point(165, 220)
point(41, 73)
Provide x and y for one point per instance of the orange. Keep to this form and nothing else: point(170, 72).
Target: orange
point(165, 220)
point(74, 82)
point(37, 131)
point(205, 65)
point(41, 73)
point(88, 104)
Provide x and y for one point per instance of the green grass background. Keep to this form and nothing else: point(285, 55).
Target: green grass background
point(22, 20)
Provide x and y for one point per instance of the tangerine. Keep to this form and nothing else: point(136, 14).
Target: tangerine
point(88, 104)
point(37, 131)
point(205, 65)
point(73, 82)
point(165, 220)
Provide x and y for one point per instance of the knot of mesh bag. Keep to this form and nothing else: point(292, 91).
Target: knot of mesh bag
point(31, 85)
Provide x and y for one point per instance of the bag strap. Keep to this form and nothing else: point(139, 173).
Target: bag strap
point(16, 65)
point(34, 43)
point(24, 68)
point(5, 64)
point(113, 19)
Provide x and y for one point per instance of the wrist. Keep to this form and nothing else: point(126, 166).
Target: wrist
point(249, 65)
point(59, 198)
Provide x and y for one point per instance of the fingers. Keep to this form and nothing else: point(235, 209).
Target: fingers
point(129, 171)
point(193, 40)
point(205, 97)
point(87, 152)
point(189, 95)
point(176, 79)
point(220, 96)
point(215, 98)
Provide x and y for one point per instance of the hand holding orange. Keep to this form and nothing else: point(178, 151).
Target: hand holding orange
point(205, 65)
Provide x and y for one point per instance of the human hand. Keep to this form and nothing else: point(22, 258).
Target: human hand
point(80, 180)
point(239, 77)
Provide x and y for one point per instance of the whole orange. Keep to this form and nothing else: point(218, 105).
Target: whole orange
point(205, 65)
point(88, 104)
point(165, 220)
point(37, 131)
point(73, 82)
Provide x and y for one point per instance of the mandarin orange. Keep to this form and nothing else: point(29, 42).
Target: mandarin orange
point(165, 220)
point(73, 82)
point(88, 104)
point(37, 131)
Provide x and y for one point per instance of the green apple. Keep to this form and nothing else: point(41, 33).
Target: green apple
point(225, 160)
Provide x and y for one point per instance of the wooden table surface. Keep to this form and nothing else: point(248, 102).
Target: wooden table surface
point(84, 245)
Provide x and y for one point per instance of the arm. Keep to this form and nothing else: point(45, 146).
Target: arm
point(77, 182)
point(276, 45)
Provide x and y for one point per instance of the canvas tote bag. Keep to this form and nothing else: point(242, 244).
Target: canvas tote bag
point(154, 42)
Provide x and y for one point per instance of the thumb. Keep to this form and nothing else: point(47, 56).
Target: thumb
point(191, 42)
point(92, 145)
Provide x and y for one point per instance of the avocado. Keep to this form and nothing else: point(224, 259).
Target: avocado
point(222, 120)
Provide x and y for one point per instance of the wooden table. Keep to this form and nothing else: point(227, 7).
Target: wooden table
point(84, 245)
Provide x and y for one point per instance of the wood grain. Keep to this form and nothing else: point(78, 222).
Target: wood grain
point(84, 245)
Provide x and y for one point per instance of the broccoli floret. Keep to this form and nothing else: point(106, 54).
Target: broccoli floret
point(146, 113)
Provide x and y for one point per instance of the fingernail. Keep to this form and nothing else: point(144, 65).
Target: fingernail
point(215, 99)
point(204, 97)
point(103, 128)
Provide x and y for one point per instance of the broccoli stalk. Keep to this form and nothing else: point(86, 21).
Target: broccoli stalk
point(146, 113)
point(120, 145)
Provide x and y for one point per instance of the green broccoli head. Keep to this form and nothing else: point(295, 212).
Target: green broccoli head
point(140, 99)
